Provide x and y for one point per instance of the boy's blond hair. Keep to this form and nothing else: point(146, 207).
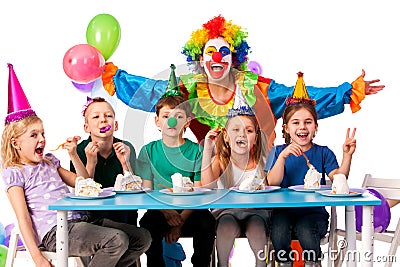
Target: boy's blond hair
point(95, 100)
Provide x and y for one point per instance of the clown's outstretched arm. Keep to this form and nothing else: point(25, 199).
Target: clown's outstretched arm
point(138, 92)
point(330, 100)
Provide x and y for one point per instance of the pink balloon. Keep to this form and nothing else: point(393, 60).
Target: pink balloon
point(83, 63)
point(255, 67)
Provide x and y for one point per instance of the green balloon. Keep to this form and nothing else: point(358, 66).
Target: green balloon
point(172, 122)
point(3, 255)
point(104, 33)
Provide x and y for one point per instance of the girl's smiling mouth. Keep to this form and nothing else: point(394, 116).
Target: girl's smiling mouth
point(39, 151)
point(242, 143)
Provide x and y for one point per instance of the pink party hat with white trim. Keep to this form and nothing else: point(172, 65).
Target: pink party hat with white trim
point(18, 104)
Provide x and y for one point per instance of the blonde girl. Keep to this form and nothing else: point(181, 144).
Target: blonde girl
point(238, 154)
point(34, 179)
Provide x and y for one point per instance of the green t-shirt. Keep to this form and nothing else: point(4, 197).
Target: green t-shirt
point(157, 162)
point(105, 173)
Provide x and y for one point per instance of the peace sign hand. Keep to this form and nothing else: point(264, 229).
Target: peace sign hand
point(349, 145)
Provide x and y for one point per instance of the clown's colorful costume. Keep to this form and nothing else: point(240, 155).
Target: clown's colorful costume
point(265, 95)
point(143, 93)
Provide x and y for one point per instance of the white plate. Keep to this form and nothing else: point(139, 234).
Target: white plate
point(144, 189)
point(103, 194)
point(197, 191)
point(266, 190)
point(354, 192)
point(300, 188)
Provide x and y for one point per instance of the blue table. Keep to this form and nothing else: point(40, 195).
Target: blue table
point(223, 199)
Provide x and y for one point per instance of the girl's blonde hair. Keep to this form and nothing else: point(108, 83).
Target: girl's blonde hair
point(9, 154)
point(223, 152)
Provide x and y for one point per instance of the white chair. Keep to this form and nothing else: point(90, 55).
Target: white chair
point(15, 251)
point(390, 189)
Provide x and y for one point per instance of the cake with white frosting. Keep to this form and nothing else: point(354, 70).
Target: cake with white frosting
point(312, 180)
point(127, 182)
point(87, 187)
point(181, 183)
point(339, 184)
point(252, 183)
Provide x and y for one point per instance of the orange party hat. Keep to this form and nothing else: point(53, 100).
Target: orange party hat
point(300, 93)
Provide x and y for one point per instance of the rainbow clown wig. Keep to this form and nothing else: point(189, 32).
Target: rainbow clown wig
point(233, 34)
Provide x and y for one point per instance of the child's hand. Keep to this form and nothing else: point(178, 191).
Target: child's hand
point(211, 138)
point(292, 149)
point(42, 261)
point(91, 151)
point(173, 235)
point(71, 144)
point(122, 152)
point(173, 217)
point(349, 145)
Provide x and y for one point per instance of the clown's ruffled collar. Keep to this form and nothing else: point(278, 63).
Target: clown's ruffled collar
point(206, 110)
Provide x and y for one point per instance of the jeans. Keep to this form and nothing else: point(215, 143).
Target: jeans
point(200, 225)
point(308, 228)
point(109, 243)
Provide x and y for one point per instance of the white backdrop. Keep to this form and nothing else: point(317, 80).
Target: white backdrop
point(330, 41)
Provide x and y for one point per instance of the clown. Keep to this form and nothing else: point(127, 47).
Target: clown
point(218, 54)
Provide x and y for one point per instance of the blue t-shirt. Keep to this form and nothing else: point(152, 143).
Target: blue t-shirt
point(321, 157)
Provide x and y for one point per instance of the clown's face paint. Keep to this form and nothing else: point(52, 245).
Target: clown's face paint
point(217, 70)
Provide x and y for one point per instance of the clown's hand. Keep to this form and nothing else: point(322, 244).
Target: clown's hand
point(370, 87)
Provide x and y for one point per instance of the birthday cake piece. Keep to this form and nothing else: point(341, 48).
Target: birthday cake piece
point(181, 183)
point(312, 180)
point(87, 187)
point(252, 183)
point(128, 182)
point(339, 185)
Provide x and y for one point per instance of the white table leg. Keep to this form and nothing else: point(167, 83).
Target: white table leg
point(367, 235)
point(62, 239)
point(350, 221)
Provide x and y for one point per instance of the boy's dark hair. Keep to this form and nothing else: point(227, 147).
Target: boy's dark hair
point(174, 102)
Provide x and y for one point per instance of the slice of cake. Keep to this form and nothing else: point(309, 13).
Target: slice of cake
point(339, 184)
point(87, 187)
point(181, 183)
point(312, 180)
point(188, 185)
point(128, 182)
point(252, 183)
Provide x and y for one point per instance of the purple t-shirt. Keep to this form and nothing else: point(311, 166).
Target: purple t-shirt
point(42, 186)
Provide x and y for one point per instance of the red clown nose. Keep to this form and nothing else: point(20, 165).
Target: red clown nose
point(217, 57)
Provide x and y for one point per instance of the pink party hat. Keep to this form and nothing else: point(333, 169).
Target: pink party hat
point(18, 104)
